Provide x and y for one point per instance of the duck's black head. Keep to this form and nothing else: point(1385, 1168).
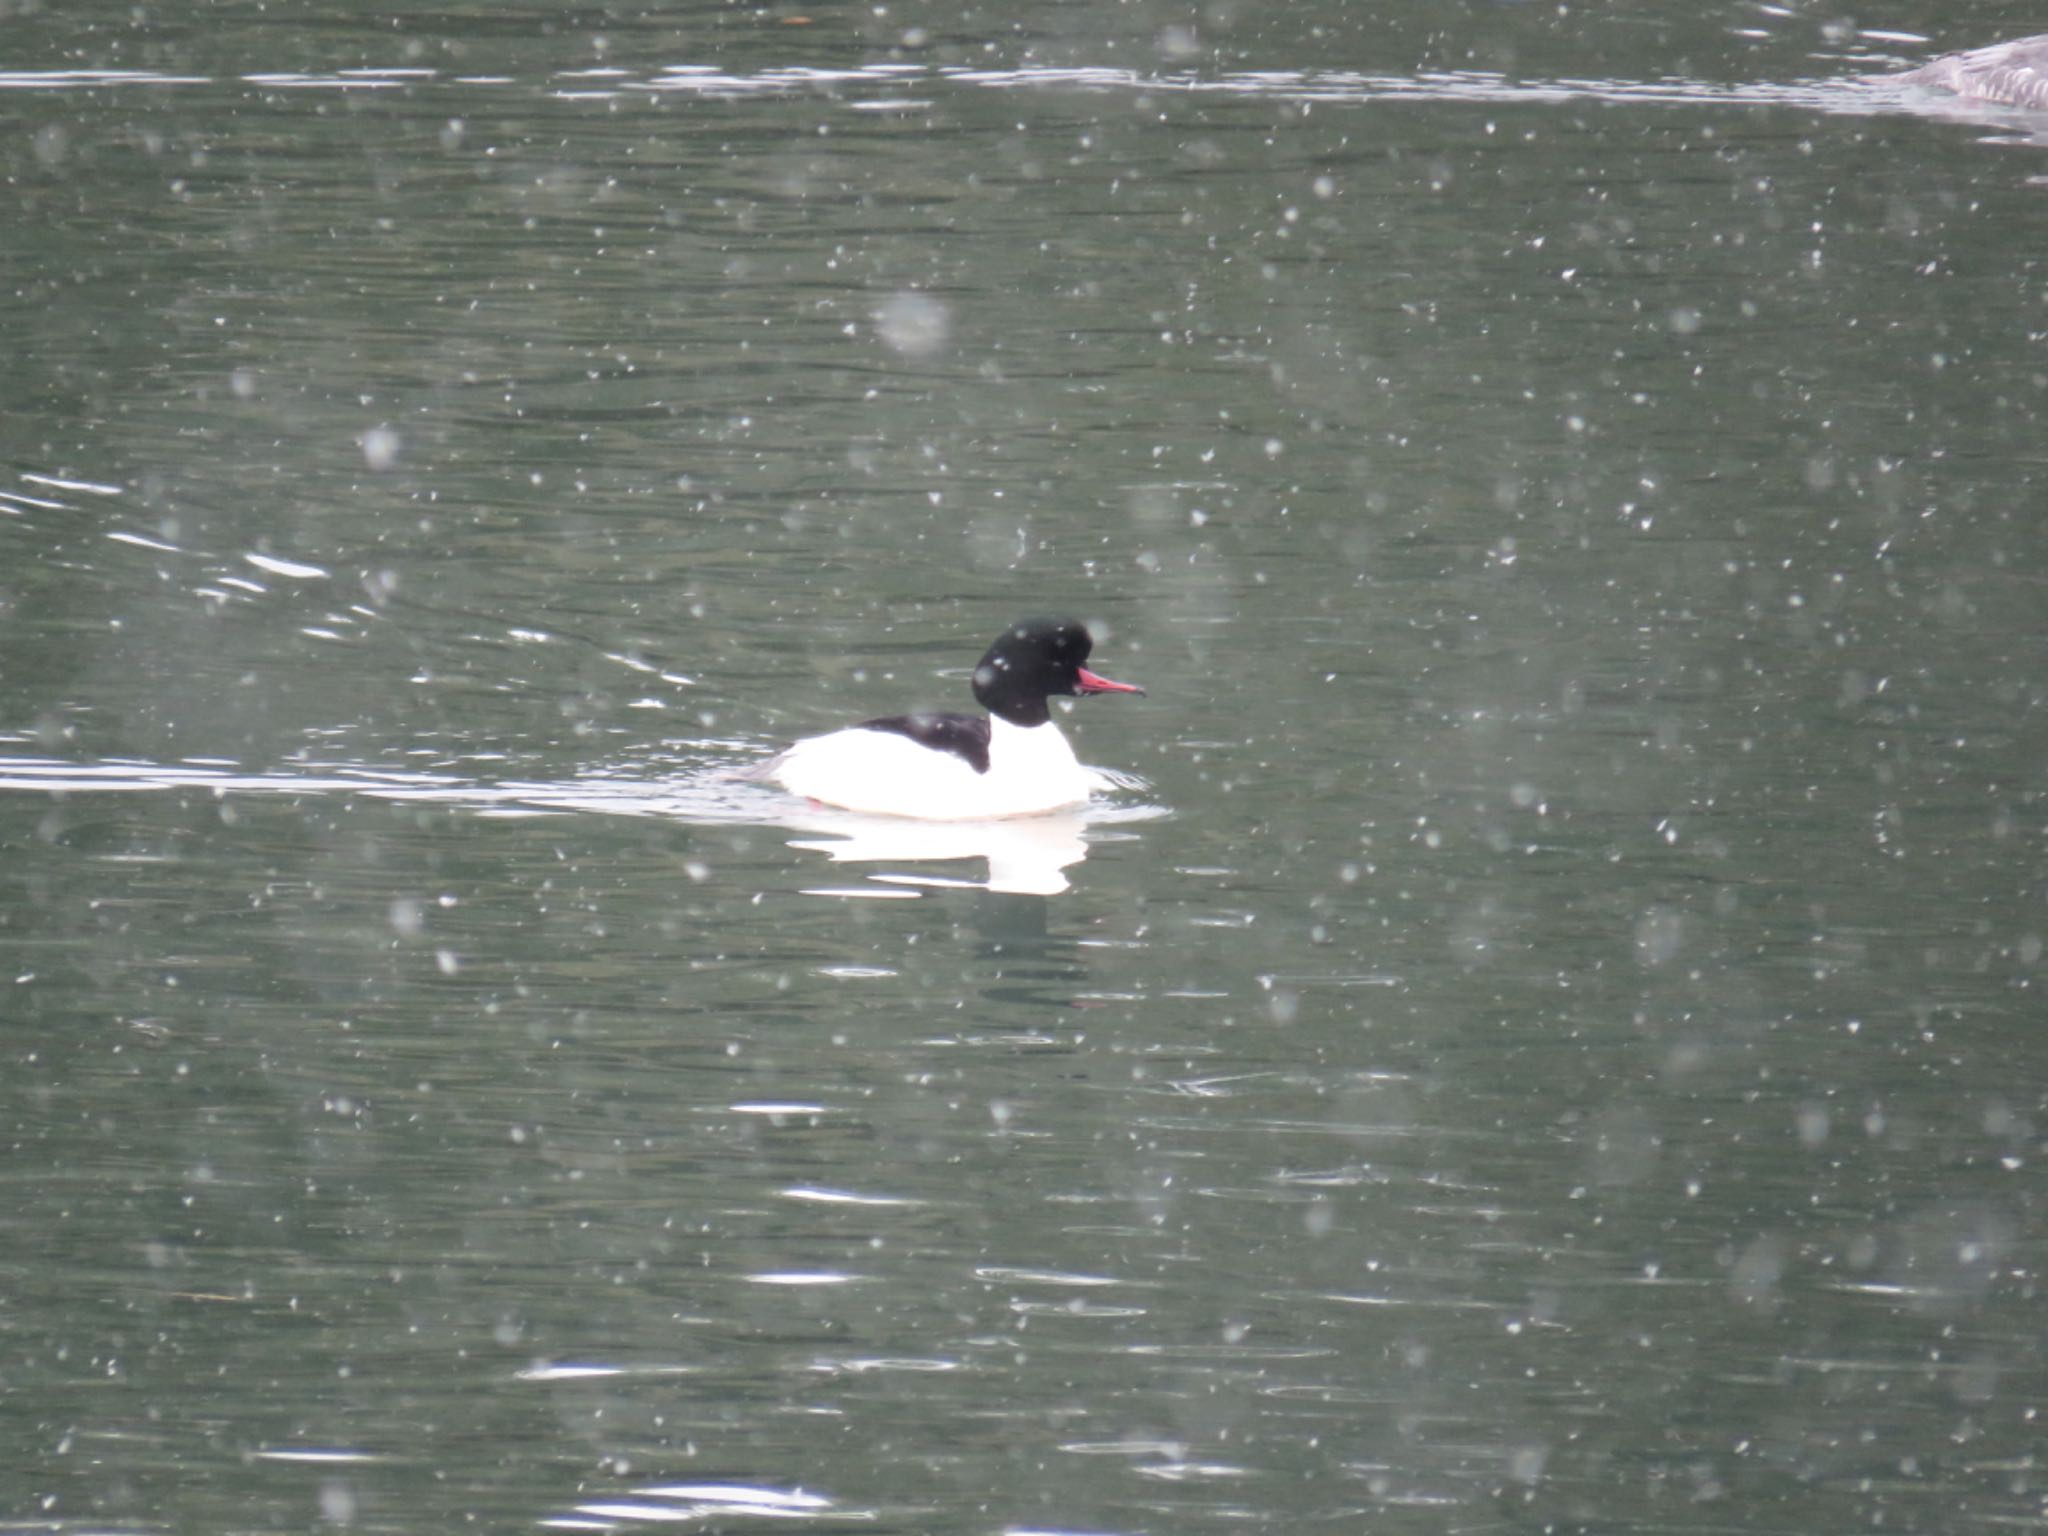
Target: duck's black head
point(1031, 661)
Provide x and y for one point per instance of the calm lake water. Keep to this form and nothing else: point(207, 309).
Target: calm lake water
point(1550, 1040)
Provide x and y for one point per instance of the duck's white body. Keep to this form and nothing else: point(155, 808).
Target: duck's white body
point(1031, 770)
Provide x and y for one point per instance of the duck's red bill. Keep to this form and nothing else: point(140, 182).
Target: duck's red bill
point(1088, 682)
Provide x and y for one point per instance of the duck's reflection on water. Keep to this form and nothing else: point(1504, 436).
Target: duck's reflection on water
point(1024, 957)
point(1027, 856)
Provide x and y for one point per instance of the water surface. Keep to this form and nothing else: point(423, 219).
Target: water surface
point(1549, 1041)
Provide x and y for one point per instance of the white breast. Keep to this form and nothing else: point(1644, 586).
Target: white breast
point(1031, 770)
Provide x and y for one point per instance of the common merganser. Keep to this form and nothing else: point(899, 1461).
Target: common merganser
point(1013, 761)
point(2015, 73)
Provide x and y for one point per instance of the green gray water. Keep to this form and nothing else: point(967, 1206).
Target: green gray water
point(1553, 1044)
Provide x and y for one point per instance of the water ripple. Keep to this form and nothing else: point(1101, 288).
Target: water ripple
point(1849, 94)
